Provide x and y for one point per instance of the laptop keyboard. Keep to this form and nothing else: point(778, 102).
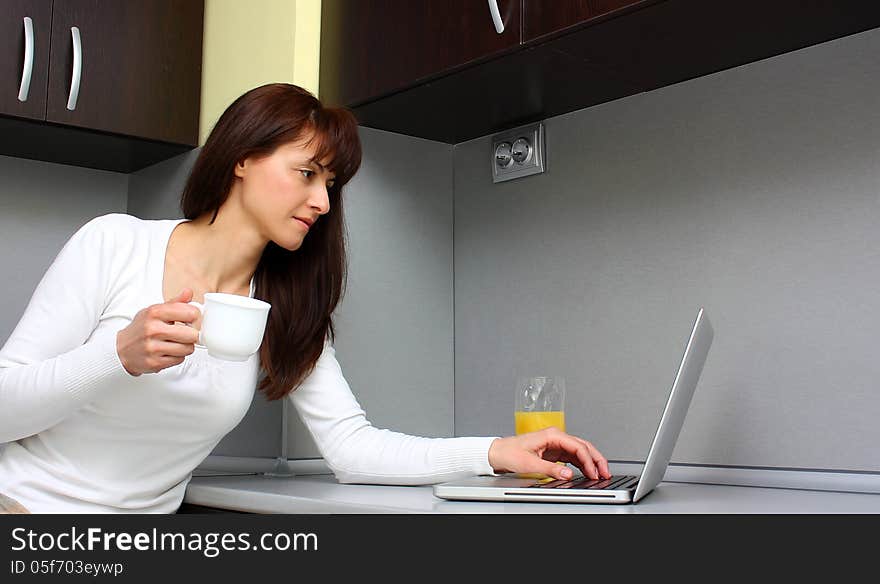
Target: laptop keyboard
point(585, 483)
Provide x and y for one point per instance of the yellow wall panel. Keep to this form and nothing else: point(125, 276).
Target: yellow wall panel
point(307, 44)
point(253, 42)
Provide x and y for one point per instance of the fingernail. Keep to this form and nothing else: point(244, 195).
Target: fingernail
point(566, 472)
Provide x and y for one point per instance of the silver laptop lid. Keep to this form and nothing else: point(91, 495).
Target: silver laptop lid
point(676, 405)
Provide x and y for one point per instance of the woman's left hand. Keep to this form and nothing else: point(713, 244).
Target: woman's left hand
point(537, 452)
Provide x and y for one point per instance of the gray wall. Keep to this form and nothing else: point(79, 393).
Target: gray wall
point(41, 206)
point(395, 324)
point(754, 192)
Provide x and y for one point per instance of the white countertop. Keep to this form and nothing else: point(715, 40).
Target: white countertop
point(323, 494)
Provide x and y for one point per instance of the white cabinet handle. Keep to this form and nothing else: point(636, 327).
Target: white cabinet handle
point(28, 67)
point(496, 16)
point(77, 69)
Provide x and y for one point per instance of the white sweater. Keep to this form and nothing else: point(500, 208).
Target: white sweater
point(84, 436)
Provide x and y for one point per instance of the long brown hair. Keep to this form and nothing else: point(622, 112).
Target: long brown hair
point(303, 286)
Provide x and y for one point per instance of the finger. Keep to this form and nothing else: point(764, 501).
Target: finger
point(551, 469)
point(170, 349)
point(176, 333)
point(577, 453)
point(577, 460)
point(600, 461)
point(184, 295)
point(175, 312)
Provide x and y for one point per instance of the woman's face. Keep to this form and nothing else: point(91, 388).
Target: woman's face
point(285, 193)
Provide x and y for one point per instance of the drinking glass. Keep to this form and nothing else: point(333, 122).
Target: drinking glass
point(540, 403)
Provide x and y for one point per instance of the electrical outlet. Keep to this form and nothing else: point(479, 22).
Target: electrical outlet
point(518, 152)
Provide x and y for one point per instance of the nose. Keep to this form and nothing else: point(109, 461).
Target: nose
point(320, 200)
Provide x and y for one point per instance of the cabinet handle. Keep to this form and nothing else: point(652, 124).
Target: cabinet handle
point(496, 16)
point(77, 69)
point(28, 67)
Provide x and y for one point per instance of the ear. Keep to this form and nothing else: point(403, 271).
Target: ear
point(240, 168)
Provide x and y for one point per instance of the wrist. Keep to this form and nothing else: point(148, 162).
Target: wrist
point(121, 357)
point(495, 456)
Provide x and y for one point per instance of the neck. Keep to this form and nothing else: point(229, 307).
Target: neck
point(221, 256)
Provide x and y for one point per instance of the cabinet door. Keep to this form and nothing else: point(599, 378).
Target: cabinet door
point(373, 47)
point(541, 17)
point(140, 67)
point(21, 54)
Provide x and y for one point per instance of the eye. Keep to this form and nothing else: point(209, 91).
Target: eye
point(311, 172)
point(330, 184)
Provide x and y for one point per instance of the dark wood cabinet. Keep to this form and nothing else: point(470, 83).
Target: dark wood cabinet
point(140, 67)
point(115, 85)
point(394, 66)
point(671, 41)
point(375, 47)
point(541, 18)
point(24, 57)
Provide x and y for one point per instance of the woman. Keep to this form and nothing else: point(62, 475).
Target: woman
point(107, 403)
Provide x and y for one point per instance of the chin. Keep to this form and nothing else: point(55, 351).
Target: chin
point(289, 245)
point(289, 238)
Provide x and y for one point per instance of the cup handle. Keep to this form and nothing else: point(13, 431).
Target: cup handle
point(201, 308)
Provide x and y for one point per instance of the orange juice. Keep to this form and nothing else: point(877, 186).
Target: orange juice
point(532, 421)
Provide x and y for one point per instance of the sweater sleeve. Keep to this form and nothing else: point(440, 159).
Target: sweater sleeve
point(47, 368)
point(358, 452)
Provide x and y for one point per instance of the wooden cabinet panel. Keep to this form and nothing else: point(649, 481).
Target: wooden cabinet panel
point(576, 54)
point(12, 57)
point(370, 48)
point(541, 17)
point(141, 67)
point(523, 87)
point(661, 43)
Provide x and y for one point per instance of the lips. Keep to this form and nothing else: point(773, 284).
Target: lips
point(308, 222)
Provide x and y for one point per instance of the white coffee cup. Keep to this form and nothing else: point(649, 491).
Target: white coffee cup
point(232, 325)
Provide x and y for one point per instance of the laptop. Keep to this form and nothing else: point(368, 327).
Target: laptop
point(617, 489)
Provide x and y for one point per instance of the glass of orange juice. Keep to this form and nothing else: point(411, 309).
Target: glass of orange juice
point(540, 403)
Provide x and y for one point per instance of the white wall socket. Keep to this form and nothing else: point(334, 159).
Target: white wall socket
point(518, 152)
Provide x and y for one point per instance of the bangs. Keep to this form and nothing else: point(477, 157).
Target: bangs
point(335, 132)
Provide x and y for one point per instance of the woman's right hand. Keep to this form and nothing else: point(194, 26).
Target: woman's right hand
point(152, 342)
